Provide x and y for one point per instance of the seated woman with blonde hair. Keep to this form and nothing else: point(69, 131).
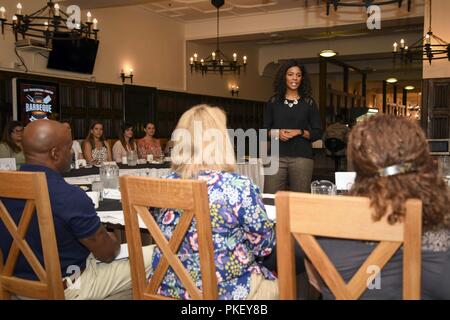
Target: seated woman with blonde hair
point(393, 164)
point(242, 232)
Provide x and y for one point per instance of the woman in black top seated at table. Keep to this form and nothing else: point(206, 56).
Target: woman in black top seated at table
point(292, 117)
point(392, 162)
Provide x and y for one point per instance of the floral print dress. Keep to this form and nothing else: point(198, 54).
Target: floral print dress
point(241, 230)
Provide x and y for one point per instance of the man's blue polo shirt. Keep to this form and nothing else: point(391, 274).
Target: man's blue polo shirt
point(74, 218)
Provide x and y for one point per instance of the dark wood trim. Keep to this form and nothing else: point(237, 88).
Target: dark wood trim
point(83, 101)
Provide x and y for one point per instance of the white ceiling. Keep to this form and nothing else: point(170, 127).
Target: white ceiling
point(192, 10)
point(188, 11)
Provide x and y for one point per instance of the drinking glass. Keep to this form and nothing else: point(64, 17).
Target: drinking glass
point(109, 175)
point(132, 158)
point(323, 187)
point(97, 186)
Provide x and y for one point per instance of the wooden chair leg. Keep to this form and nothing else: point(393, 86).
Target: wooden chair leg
point(4, 295)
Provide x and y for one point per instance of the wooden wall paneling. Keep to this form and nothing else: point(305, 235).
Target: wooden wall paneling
point(436, 108)
point(83, 102)
point(138, 106)
point(105, 95)
point(117, 99)
point(5, 107)
point(424, 109)
point(91, 97)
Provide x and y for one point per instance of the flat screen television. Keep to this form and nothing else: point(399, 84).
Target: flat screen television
point(35, 100)
point(73, 55)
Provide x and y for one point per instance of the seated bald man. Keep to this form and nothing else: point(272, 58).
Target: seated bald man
point(81, 238)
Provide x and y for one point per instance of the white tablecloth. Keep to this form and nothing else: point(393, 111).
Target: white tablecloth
point(252, 170)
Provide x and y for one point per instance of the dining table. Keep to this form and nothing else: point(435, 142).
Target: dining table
point(110, 209)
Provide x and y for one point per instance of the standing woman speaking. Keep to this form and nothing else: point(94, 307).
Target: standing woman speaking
point(293, 118)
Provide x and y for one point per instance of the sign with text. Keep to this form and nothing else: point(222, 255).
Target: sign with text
point(37, 100)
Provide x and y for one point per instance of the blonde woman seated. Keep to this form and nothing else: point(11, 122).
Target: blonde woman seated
point(125, 143)
point(392, 162)
point(241, 230)
point(95, 149)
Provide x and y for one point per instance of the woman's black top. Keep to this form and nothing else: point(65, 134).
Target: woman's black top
point(303, 115)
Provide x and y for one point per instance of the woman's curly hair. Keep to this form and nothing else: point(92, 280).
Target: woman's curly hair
point(383, 141)
point(279, 85)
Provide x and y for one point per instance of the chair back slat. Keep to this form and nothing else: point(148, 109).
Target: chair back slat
point(190, 196)
point(32, 188)
point(19, 244)
point(303, 217)
point(351, 219)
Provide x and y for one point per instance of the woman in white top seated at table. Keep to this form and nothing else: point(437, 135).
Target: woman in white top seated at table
point(125, 143)
point(76, 148)
point(95, 149)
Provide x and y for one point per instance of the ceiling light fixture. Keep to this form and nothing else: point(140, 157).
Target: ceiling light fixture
point(328, 53)
point(409, 88)
point(430, 47)
point(217, 61)
point(392, 80)
point(48, 23)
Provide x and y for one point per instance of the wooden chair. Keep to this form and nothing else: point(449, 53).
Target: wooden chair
point(304, 216)
point(31, 187)
point(138, 194)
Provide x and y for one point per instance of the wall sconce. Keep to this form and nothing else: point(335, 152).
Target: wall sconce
point(235, 90)
point(129, 76)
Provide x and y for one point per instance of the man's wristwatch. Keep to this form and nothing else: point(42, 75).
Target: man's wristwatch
point(302, 132)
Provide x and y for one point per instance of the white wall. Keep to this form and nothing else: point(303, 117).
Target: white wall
point(150, 44)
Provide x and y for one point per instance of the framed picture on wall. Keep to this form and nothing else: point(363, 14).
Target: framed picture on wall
point(33, 100)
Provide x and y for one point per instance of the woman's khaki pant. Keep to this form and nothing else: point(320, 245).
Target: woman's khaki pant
point(293, 171)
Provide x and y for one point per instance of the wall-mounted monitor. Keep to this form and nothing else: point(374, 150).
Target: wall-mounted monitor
point(35, 100)
point(73, 55)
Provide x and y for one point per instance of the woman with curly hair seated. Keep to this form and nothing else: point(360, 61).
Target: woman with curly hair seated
point(392, 162)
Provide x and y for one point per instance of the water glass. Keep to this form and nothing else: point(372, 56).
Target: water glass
point(109, 175)
point(97, 186)
point(323, 187)
point(132, 158)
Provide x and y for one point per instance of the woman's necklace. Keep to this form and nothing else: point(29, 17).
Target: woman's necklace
point(291, 104)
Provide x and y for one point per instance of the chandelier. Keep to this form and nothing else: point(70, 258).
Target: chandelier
point(363, 3)
point(430, 47)
point(217, 61)
point(48, 23)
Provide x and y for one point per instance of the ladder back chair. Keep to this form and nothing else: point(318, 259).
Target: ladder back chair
point(31, 187)
point(191, 196)
point(303, 217)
